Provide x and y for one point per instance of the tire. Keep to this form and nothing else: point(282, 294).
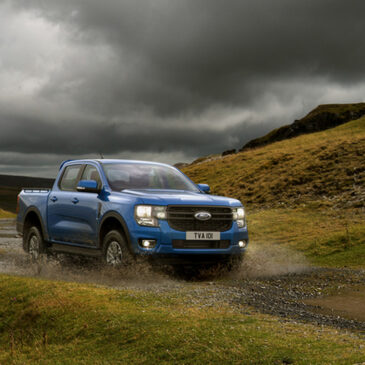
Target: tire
point(115, 250)
point(34, 243)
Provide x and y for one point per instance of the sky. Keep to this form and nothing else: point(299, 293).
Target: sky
point(166, 80)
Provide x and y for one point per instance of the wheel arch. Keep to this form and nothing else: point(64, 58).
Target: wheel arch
point(110, 221)
point(32, 217)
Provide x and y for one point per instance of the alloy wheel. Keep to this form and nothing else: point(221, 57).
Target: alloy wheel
point(114, 254)
point(34, 247)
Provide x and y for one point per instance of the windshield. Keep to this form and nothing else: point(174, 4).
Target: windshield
point(145, 176)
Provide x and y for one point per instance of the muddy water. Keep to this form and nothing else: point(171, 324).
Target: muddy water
point(261, 261)
point(7, 229)
point(350, 304)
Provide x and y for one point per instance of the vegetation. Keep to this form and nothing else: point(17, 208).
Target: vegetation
point(338, 109)
point(55, 322)
point(5, 214)
point(327, 237)
point(307, 192)
point(321, 118)
point(326, 166)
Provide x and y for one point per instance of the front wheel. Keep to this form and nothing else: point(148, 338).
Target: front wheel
point(35, 244)
point(209, 270)
point(235, 262)
point(116, 252)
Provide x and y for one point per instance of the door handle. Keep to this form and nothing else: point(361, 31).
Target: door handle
point(54, 199)
point(75, 200)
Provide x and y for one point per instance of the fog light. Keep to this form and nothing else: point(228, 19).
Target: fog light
point(148, 243)
point(242, 244)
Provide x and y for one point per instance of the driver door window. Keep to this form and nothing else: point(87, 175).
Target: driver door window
point(91, 173)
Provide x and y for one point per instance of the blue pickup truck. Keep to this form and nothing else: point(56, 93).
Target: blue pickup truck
point(119, 209)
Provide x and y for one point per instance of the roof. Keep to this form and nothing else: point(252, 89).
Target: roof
point(111, 161)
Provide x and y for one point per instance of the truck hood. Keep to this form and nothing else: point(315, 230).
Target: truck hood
point(177, 197)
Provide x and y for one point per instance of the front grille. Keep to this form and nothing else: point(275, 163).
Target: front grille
point(200, 244)
point(181, 218)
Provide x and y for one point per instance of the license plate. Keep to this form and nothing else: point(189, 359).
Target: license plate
point(204, 236)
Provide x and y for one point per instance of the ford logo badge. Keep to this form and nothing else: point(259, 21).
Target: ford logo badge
point(203, 216)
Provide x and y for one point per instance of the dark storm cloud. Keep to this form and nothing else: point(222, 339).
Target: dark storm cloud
point(190, 54)
point(77, 138)
point(191, 76)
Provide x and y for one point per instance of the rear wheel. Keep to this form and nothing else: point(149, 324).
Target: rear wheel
point(35, 244)
point(116, 252)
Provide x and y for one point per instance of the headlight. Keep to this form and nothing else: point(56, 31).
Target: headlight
point(148, 215)
point(239, 217)
point(143, 211)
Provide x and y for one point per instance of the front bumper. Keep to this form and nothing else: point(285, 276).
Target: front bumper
point(164, 235)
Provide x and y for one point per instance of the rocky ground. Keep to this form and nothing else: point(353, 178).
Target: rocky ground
point(271, 280)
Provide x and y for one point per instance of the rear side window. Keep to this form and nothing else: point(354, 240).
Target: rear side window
point(91, 173)
point(69, 178)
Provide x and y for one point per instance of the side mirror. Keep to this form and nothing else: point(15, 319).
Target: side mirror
point(88, 186)
point(205, 188)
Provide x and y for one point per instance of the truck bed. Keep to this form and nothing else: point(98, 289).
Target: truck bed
point(33, 198)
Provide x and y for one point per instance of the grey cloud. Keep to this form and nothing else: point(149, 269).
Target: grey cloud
point(190, 54)
point(72, 138)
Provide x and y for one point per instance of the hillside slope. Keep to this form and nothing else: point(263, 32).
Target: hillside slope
point(306, 193)
point(328, 166)
point(321, 118)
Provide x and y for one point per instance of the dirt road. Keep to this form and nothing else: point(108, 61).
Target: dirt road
point(271, 280)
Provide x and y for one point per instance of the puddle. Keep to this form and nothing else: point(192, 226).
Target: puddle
point(349, 304)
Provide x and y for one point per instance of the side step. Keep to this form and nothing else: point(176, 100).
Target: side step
point(75, 250)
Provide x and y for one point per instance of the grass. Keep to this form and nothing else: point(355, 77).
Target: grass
point(54, 322)
point(336, 108)
point(307, 192)
point(5, 214)
point(345, 249)
point(326, 237)
point(320, 116)
point(306, 168)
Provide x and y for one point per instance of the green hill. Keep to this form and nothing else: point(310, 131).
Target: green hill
point(327, 166)
point(321, 118)
point(307, 191)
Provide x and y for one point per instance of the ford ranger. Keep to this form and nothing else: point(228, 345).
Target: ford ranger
point(119, 209)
